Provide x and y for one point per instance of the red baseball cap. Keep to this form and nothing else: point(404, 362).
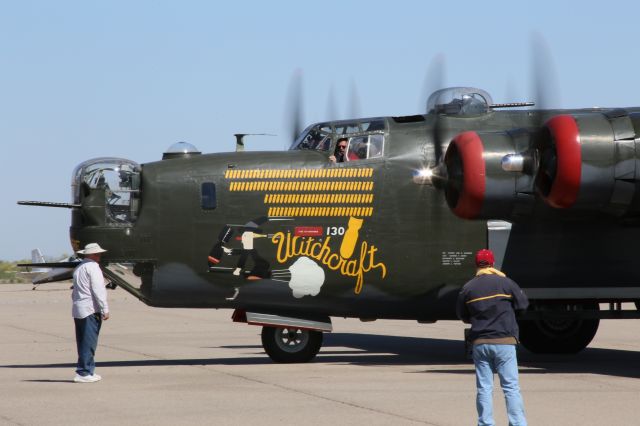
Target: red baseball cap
point(484, 257)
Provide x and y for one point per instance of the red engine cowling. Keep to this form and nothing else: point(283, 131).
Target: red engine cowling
point(558, 179)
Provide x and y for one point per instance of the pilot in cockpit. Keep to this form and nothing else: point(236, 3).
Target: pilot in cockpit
point(341, 148)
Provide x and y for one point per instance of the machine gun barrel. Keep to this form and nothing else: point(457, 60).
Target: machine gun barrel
point(49, 204)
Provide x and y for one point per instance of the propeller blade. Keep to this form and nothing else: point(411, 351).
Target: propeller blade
point(545, 86)
point(437, 139)
point(294, 113)
point(354, 101)
point(332, 105)
point(433, 79)
point(546, 92)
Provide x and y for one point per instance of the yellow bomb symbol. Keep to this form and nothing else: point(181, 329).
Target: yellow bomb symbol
point(350, 237)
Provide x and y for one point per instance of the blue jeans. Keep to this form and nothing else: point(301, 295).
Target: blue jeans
point(501, 359)
point(87, 330)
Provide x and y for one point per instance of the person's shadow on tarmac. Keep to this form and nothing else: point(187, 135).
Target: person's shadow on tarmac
point(370, 349)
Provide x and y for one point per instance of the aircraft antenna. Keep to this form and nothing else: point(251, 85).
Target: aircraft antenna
point(240, 139)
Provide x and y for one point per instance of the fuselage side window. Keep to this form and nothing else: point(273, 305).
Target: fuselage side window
point(357, 149)
point(208, 199)
point(376, 145)
point(364, 147)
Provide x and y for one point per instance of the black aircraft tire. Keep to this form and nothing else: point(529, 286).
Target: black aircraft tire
point(558, 336)
point(291, 345)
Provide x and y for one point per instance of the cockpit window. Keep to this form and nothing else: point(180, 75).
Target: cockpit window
point(319, 136)
point(353, 128)
point(120, 181)
point(364, 147)
point(359, 127)
point(460, 101)
point(316, 137)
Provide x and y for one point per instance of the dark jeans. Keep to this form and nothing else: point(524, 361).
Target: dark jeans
point(87, 330)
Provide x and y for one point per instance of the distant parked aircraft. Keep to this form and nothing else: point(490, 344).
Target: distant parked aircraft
point(42, 272)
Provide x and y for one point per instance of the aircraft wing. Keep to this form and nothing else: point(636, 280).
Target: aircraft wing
point(62, 264)
point(49, 272)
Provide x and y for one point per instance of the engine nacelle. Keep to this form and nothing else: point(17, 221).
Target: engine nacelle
point(585, 162)
point(489, 174)
point(588, 161)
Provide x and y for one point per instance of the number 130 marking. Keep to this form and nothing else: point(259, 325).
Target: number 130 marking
point(335, 230)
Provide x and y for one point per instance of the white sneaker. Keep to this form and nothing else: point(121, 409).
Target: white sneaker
point(87, 379)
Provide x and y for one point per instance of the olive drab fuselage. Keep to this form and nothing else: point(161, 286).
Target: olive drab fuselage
point(292, 233)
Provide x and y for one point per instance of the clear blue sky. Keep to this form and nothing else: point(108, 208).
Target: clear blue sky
point(83, 79)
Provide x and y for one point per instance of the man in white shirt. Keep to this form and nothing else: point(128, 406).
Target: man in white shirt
point(90, 308)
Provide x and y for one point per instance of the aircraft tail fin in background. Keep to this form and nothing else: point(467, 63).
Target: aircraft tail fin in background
point(37, 257)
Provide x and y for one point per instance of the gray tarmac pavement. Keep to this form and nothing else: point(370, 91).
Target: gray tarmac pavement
point(188, 366)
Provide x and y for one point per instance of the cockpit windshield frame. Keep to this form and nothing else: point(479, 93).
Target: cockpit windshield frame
point(322, 136)
point(315, 137)
point(118, 178)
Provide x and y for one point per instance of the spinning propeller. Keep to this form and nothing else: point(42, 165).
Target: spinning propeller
point(294, 110)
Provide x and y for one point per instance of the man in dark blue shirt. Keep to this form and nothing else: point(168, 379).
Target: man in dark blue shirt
point(488, 302)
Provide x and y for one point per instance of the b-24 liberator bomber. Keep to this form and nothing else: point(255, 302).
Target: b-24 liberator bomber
point(387, 229)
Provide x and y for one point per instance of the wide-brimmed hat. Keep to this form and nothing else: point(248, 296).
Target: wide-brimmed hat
point(91, 248)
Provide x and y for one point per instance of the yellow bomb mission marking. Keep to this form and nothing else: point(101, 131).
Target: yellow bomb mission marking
point(291, 246)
